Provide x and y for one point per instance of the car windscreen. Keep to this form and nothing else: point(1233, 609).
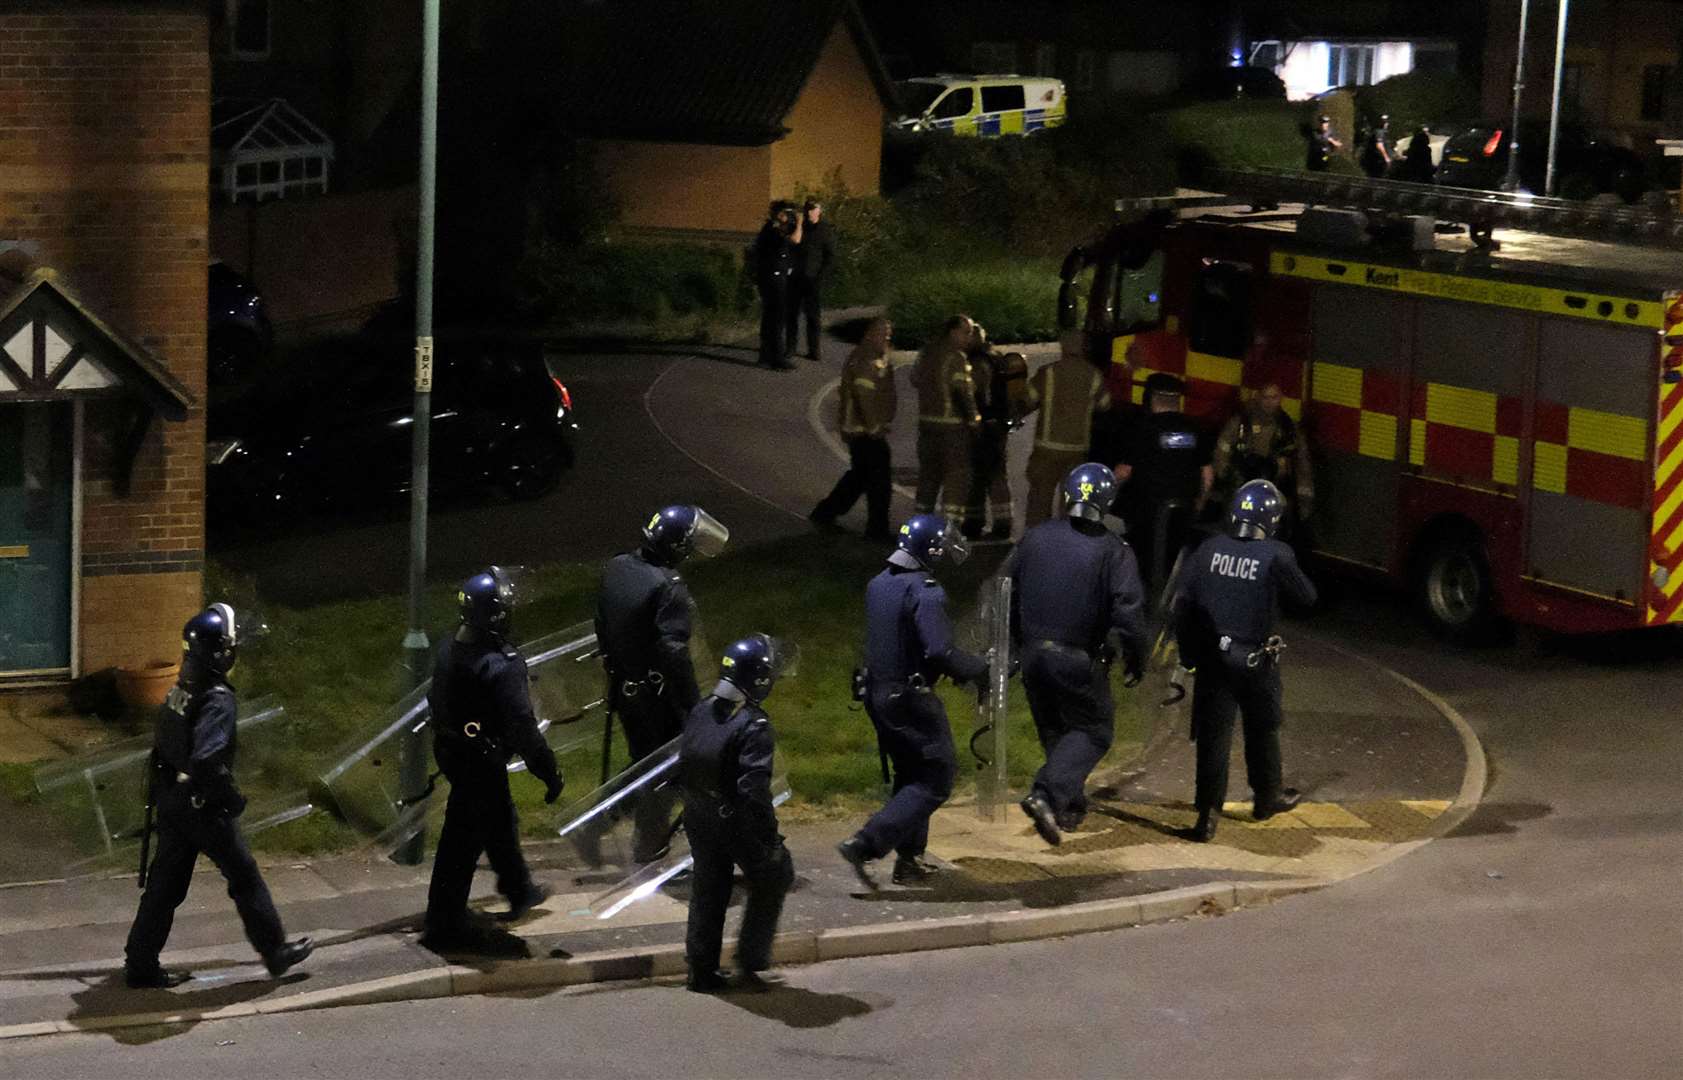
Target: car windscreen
point(918, 96)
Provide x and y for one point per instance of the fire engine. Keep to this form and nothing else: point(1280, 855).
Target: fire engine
point(1496, 417)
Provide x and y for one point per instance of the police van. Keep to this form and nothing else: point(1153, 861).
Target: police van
point(981, 104)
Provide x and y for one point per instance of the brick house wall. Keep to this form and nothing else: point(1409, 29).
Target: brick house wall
point(104, 152)
point(835, 127)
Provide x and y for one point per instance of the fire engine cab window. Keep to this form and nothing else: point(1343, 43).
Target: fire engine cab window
point(1139, 295)
point(1221, 309)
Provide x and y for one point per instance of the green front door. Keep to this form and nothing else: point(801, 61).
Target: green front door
point(36, 496)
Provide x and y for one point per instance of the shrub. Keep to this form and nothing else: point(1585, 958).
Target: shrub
point(1016, 300)
point(631, 281)
point(1416, 99)
point(1236, 135)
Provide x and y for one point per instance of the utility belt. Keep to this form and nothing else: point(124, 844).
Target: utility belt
point(1104, 654)
point(1257, 655)
point(864, 683)
point(473, 736)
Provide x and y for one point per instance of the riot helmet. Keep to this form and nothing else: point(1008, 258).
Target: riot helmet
point(675, 533)
point(928, 539)
point(211, 639)
point(754, 664)
point(1089, 490)
point(487, 599)
point(1256, 510)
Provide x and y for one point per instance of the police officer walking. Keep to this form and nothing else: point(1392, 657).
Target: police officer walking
point(198, 804)
point(1167, 470)
point(1321, 144)
point(1072, 583)
point(908, 647)
point(481, 704)
point(644, 618)
point(1224, 613)
point(725, 759)
point(1067, 392)
point(867, 402)
point(947, 415)
point(773, 255)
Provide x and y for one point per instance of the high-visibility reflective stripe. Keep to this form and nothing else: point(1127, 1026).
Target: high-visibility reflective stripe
point(1336, 384)
point(1608, 433)
point(1378, 435)
point(1216, 369)
point(1459, 407)
point(1548, 467)
point(1504, 467)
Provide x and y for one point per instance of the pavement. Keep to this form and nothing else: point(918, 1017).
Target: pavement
point(1386, 766)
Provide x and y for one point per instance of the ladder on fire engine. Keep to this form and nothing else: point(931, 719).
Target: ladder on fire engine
point(1481, 211)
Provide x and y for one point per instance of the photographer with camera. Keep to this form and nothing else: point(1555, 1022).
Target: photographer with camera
point(773, 256)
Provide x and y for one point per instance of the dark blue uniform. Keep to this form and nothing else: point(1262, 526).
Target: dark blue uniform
point(1228, 598)
point(725, 759)
point(643, 625)
point(774, 263)
point(481, 715)
point(908, 647)
point(1160, 499)
point(1072, 582)
point(198, 806)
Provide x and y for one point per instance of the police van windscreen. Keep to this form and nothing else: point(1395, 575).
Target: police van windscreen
point(918, 96)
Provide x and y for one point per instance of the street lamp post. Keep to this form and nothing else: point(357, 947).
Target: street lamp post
point(1511, 181)
point(417, 649)
point(1554, 101)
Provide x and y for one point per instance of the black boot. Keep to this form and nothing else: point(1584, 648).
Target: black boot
point(755, 982)
point(1204, 831)
point(1039, 811)
point(914, 870)
point(534, 895)
point(1287, 799)
point(707, 981)
point(154, 978)
point(288, 956)
point(853, 851)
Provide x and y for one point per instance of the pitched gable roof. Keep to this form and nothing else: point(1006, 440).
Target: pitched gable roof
point(723, 72)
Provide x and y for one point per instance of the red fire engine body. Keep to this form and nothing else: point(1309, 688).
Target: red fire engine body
point(1501, 430)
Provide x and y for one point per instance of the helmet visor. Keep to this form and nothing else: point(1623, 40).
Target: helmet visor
point(785, 658)
point(246, 625)
point(953, 543)
point(516, 584)
point(709, 536)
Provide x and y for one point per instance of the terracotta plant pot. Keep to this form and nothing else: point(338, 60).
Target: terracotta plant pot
point(145, 688)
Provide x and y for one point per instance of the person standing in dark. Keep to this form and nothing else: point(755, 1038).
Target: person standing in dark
point(1001, 381)
point(773, 255)
point(725, 760)
point(1321, 144)
point(191, 784)
point(1072, 583)
point(867, 402)
point(481, 702)
point(1417, 165)
point(1376, 149)
point(644, 619)
point(1166, 474)
point(815, 253)
point(947, 419)
point(909, 646)
point(1224, 610)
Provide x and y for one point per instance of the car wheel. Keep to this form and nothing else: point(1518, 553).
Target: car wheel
point(1456, 589)
point(531, 466)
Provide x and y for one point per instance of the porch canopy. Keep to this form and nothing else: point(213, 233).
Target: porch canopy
point(52, 348)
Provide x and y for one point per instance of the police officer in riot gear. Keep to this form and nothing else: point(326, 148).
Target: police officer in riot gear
point(725, 760)
point(1072, 583)
point(908, 647)
point(644, 618)
point(482, 715)
point(1224, 613)
point(198, 807)
point(1166, 468)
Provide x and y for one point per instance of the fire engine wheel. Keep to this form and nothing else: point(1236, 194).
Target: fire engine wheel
point(1456, 588)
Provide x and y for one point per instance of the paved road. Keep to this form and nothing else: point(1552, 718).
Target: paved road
point(626, 468)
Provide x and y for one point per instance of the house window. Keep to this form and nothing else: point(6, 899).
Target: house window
point(1045, 58)
point(248, 29)
point(266, 150)
point(1086, 61)
point(1350, 65)
point(1654, 80)
point(993, 57)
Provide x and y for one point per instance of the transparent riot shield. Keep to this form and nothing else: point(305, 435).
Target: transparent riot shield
point(366, 781)
point(988, 739)
point(628, 820)
point(649, 879)
point(97, 801)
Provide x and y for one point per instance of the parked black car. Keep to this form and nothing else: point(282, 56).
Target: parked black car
point(332, 426)
point(238, 334)
point(1584, 167)
point(1226, 83)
